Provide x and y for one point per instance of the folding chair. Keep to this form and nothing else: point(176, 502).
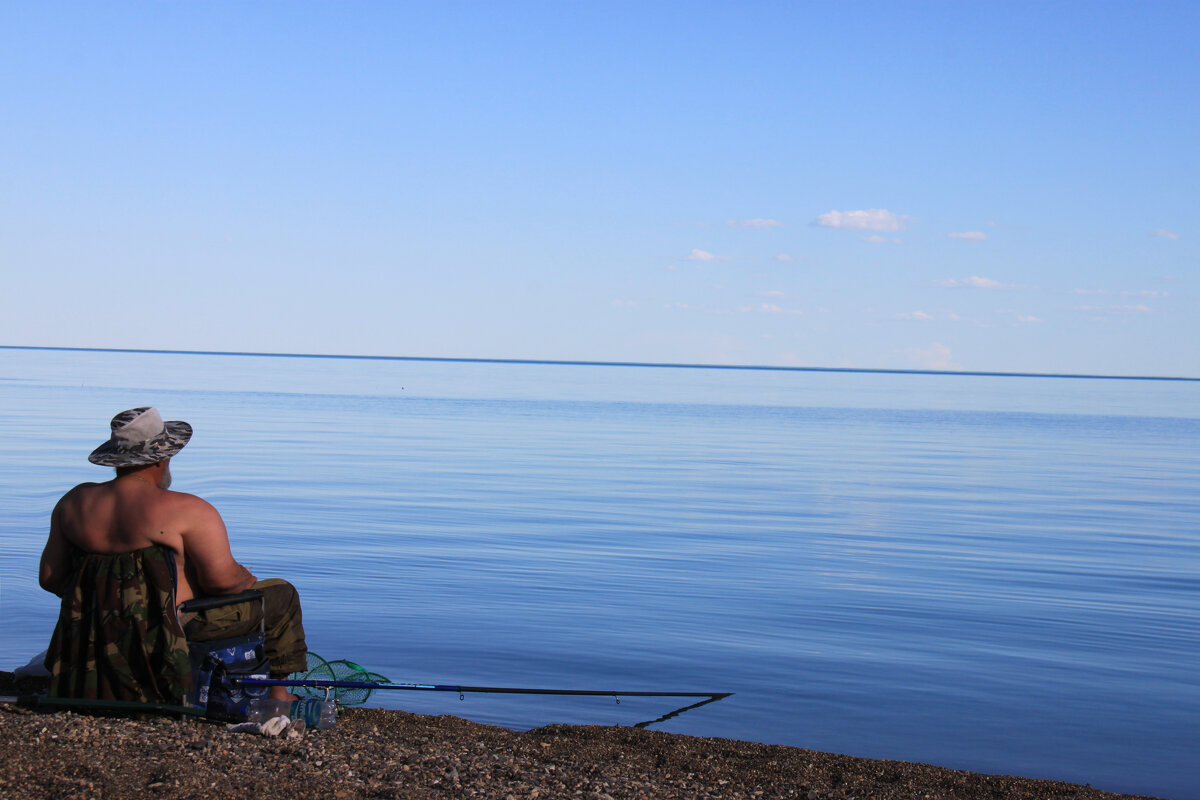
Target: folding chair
point(214, 663)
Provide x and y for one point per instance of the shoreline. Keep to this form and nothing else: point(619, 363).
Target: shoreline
point(394, 755)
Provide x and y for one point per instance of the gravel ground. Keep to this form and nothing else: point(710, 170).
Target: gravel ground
point(377, 753)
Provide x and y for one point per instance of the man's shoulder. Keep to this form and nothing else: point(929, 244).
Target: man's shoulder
point(83, 487)
point(190, 507)
point(80, 491)
point(184, 499)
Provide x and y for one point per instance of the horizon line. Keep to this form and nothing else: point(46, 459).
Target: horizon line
point(661, 365)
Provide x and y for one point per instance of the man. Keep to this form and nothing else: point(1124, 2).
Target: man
point(125, 553)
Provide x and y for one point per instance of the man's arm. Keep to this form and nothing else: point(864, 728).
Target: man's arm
point(55, 566)
point(206, 551)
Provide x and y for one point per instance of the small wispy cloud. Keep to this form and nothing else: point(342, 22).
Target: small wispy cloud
point(768, 308)
point(1140, 308)
point(919, 316)
point(877, 239)
point(973, 282)
point(700, 255)
point(872, 219)
point(757, 223)
point(1123, 293)
point(1164, 233)
point(784, 258)
point(771, 293)
point(936, 356)
point(1019, 316)
point(970, 236)
point(624, 303)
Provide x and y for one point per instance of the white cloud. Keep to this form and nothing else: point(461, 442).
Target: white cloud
point(1138, 309)
point(785, 258)
point(1019, 317)
point(1164, 233)
point(975, 282)
point(971, 236)
point(624, 303)
point(757, 223)
point(877, 239)
point(768, 308)
point(874, 219)
point(700, 255)
point(1126, 293)
point(936, 356)
point(919, 316)
point(771, 293)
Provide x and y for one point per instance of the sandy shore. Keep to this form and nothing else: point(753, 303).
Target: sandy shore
point(376, 753)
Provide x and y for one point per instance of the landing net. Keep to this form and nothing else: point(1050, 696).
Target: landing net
point(319, 669)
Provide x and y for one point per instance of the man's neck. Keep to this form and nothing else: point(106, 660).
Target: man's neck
point(137, 476)
point(156, 475)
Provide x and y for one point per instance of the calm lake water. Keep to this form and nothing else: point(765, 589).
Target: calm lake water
point(988, 573)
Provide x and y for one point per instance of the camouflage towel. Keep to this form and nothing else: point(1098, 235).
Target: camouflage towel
point(118, 636)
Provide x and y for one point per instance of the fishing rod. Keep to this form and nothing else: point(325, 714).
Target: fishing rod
point(330, 685)
point(440, 687)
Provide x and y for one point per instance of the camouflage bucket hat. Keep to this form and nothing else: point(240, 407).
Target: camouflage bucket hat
point(139, 436)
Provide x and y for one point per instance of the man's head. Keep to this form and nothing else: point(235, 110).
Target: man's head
point(140, 437)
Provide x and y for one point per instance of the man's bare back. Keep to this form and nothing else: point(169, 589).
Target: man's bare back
point(131, 512)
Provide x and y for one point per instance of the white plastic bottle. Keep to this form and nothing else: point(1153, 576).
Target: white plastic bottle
point(315, 713)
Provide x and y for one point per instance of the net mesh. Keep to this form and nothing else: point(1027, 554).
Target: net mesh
point(319, 669)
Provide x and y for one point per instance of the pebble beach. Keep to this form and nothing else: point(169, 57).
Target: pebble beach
point(386, 754)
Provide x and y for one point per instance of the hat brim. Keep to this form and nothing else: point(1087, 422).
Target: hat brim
point(176, 434)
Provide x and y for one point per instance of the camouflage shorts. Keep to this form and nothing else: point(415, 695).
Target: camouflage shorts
point(279, 612)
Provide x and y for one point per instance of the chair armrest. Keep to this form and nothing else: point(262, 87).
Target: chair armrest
point(205, 603)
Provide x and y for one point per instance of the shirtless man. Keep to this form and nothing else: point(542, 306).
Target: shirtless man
point(136, 511)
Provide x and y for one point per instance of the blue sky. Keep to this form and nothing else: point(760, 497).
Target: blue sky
point(978, 186)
